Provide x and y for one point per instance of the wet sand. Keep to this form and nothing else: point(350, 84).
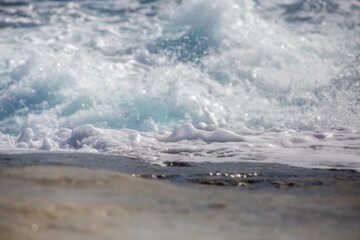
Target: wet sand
point(67, 202)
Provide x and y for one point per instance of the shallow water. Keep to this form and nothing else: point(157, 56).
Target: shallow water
point(283, 77)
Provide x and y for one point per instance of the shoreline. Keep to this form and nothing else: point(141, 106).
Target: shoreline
point(85, 202)
point(255, 174)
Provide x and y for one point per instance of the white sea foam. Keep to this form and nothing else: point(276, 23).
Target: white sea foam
point(189, 132)
point(338, 148)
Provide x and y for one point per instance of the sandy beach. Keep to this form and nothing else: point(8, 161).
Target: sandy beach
point(59, 202)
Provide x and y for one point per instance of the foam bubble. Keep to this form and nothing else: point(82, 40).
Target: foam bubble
point(81, 133)
point(26, 135)
point(189, 132)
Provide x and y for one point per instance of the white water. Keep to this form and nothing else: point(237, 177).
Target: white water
point(276, 81)
point(336, 148)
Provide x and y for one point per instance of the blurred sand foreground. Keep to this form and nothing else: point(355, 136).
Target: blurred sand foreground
point(80, 203)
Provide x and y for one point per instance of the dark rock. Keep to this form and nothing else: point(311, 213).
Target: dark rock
point(178, 164)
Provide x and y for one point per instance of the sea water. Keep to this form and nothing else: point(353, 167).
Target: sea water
point(183, 80)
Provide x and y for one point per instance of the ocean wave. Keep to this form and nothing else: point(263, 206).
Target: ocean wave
point(152, 66)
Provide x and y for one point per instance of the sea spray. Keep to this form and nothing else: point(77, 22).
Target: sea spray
point(241, 80)
point(153, 66)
